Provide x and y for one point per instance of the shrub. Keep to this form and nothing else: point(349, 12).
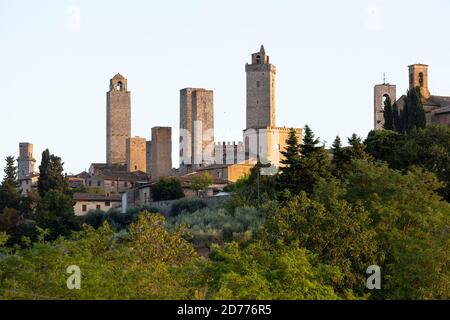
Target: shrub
point(187, 206)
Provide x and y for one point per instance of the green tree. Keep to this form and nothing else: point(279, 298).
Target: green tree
point(262, 271)
point(334, 229)
point(339, 158)
point(9, 194)
point(148, 262)
point(388, 114)
point(411, 224)
point(51, 175)
point(167, 189)
point(14, 224)
point(288, 177)
point(356, 148)
point(200, 182)
point(55, 213)
point(397, 121)
point(314, 163)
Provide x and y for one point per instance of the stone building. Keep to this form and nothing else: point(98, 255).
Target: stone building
point(27, 175)
point(196, 128)
point(118, 119)
point(84, 202)
point(263, 141)
point(136, 154)
point(229, 152)
point(437, 108)
point(161, 152)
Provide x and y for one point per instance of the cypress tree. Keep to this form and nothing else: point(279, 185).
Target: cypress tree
point(51, 175)
point(388, 114)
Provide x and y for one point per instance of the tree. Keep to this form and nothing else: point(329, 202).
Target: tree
point(261, 271)
point(167, 189)
point(14, 224)
point(331, 227)
point(397, 122)
point(9, 194)
point(148, 262)
point(55, 213)
point(411, 224)
point(288, 177)
point(388, 114)
point(51, 175)
point(339, 159)
point(355, 149)
point(314, 163)
point(201, 182)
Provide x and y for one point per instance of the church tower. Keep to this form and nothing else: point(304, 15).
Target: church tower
point(381, 92)
point(260, 91)
point(418, 77)
point(118, 120)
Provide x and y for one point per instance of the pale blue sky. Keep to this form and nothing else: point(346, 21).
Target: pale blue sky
point(328, 54)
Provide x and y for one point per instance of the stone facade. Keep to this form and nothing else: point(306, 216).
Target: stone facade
point(381, 91)
point(136, 150)
point(229, 152)
point(265, 144)
point(118, 120)
point(260, 91)
point(196, 128)
point(148, 152)
point(161, 152)
point(418, 77)
point(25, 162)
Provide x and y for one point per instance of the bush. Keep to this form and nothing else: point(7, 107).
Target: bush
point(187, 206)
point(219, 226)
point(167, 189)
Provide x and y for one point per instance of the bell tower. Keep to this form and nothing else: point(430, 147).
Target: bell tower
point(260, 91)
point(418, 77)
point(118, 120)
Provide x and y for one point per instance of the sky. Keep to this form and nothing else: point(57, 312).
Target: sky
point(57, 57)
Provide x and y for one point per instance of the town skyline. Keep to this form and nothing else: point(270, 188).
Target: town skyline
point(75, 104)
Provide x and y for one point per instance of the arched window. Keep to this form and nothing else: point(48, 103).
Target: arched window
point(119, 86)
point(385, 96)
point(258, 59)
point(421, 79)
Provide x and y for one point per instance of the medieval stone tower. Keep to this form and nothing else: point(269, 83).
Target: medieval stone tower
point(260, 91)
point(381, 92)
point(418, 77)
point(25, 161)
point(118, 120)
point(196, 128)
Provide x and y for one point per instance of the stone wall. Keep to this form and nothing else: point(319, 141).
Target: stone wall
point(136, 154)
point(161, 152)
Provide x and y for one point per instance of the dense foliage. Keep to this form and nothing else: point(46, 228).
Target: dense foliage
point(308, 232)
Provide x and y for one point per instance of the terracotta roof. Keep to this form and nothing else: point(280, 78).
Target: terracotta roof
point(438, 101)
point(96, 197)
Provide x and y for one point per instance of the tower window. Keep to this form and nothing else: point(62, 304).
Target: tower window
point(421, 79)
point(119, 86)
point(258, 59)
point(258, 84)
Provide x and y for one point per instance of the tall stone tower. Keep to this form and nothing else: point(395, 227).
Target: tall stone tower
point(196, 128)
point(260, 91)
point(381, 92)
point(25, 161)
point(161, 152)
point(118, 120)
point(418, 77)
point(136, 151)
